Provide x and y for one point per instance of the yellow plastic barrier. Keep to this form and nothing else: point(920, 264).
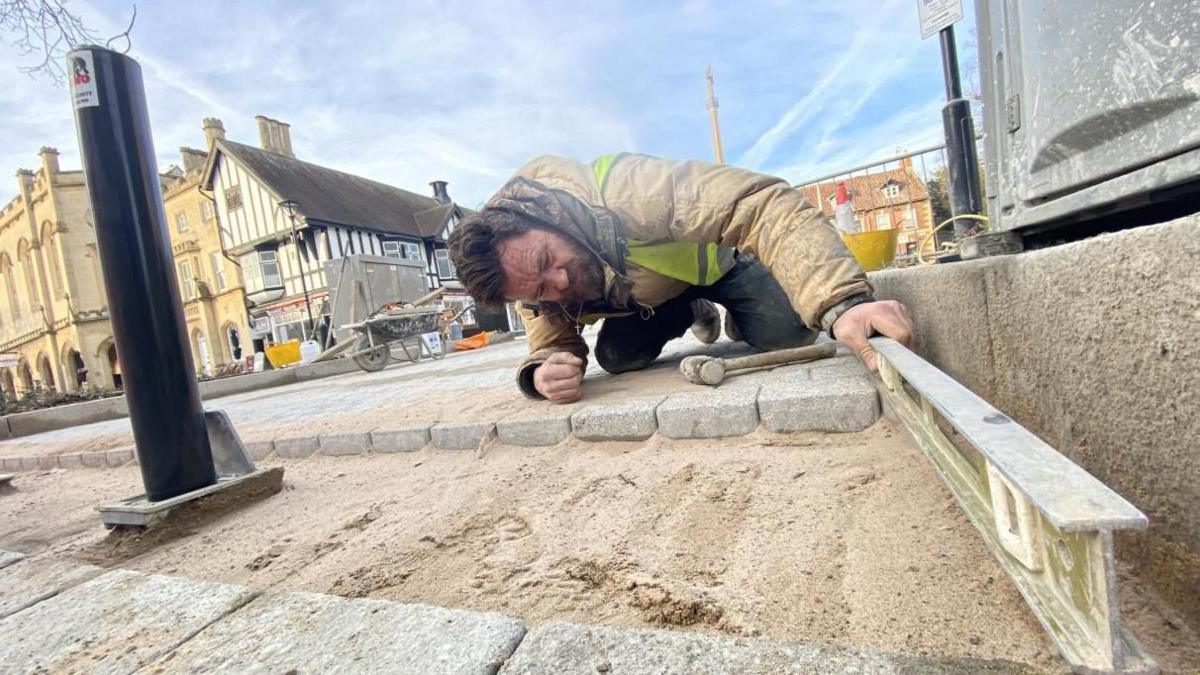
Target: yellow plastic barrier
point(284, 353)
point(873, 250)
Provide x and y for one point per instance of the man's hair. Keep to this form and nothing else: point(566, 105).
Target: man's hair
point(474, 245)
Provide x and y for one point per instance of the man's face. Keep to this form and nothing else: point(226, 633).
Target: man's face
point(541, 266)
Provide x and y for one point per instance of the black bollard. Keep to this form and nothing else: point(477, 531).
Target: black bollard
point(135, 253)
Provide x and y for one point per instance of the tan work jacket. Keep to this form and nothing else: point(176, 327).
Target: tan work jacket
point(658, 200)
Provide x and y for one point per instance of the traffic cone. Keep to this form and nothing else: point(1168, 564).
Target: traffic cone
point(844, 213)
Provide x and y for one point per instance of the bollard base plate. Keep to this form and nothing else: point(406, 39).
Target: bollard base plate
point(138, 511)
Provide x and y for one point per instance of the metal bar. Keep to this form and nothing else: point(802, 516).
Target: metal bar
point(149, 328)
point(1048, 522)
point(860, 167)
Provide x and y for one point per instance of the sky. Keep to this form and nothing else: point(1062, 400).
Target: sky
point(467, 91)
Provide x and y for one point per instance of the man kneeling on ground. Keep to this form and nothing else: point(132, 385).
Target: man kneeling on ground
point(648, 245)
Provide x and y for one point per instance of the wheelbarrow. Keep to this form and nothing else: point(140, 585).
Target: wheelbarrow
point(372, 349)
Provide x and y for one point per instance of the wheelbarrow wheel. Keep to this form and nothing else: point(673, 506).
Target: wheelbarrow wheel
point(374, 360)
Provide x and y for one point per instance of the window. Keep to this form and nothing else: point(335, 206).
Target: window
point(445, 268)
point(289, 325)
point(233, 197)
point(892, 189)
point(206, 211)
point(181, 223)
point(261, 269)
point(218, 269)
point(187, 282)
point(883, 220)
point(405, 250)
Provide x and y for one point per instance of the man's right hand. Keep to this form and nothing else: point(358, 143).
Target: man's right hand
point(560, 378)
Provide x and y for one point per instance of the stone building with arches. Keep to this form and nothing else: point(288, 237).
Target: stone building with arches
point(53, 309)
point(210, 283)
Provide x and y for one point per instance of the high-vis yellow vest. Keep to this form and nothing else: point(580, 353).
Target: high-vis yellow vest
point(696, 264)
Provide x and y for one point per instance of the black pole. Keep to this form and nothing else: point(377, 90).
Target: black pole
point(296, 243)
point(135, 253)
point(961, 158)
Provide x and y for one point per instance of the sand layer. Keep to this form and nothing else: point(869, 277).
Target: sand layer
point(842, 539)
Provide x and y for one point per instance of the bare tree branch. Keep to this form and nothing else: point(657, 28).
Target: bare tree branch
point(45, 30)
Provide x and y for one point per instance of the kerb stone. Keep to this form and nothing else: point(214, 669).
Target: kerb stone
point(28, 583)
point(119, 457)
point(459, 435)
point(73, 460)
point(713, 413)
point(295, 448)
point(345, 444)
point(30, 463)
point(47, 462)
point(313, 633)
point(535, 431)
point(10, 463)
point(400, 440)
point(822, 405)
point(94, 460)
point(633, 421)
point(259, 450)
point(554, 648)
point(116, 623)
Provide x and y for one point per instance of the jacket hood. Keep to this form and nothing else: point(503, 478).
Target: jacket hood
point(596, 229)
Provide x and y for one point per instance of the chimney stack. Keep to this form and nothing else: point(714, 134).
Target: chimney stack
point(193, 159)
point(274, 136)
point(214, 131)
point(49, 158)
point(439, 192)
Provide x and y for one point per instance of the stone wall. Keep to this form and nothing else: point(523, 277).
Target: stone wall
point(1093, 347)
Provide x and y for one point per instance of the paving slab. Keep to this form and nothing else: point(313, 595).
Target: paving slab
point(715, 412)
point(9, 557)
point(459, 435)
point(31, 581)
point(554, 648)
point(633, 421)
point(409, 439)
point(839, 367)
point(259, 450)
point(115, 623)
point(296, 448)
point(345, 444)
point(314, 633)
point(119, 457)
point(94, 460)
point(834, 405)
point(548, 429)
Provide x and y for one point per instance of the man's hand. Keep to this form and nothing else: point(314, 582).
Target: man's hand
point(560, 378)
point(883, 317)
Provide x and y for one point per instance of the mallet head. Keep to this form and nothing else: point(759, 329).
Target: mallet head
point(706, 370)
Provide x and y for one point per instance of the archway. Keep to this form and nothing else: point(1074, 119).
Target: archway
point(25, 377)
point(45, 373)
point(233, 340)
point(75, 371)
point(7, 385)
point(107, 353)
point(203, 357)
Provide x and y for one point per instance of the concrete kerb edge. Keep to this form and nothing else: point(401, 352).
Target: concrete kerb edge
point(114, 407)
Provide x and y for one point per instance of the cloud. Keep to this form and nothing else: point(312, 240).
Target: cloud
point(466, 91)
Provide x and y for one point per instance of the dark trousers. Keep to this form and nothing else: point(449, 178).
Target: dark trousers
point(759, 307)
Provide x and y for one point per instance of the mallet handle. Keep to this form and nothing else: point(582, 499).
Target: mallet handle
point(781, 356)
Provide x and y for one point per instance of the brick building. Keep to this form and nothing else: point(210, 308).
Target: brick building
point(895, 198)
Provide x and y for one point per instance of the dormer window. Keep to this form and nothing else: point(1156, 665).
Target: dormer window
point(891, 189)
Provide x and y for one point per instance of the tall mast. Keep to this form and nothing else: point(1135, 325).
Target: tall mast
point(718, 151)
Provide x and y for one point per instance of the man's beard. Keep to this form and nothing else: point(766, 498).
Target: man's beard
point(586, 279)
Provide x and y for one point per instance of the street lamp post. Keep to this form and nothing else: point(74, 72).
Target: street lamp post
point(290, 206)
